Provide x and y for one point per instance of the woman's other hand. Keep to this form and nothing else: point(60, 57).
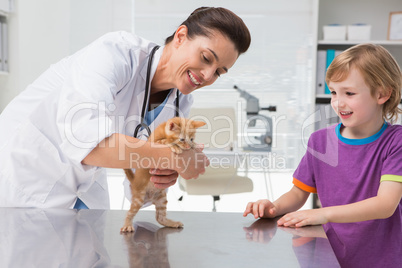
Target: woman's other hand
point(191, 163)
point(163, 178)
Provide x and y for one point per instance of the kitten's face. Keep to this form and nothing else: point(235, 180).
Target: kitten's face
point(181, 131)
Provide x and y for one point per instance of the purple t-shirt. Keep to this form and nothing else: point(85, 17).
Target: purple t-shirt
point(344, 171)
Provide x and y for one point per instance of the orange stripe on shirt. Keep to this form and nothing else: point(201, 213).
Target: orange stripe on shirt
point(304, 187)
point(300, 241)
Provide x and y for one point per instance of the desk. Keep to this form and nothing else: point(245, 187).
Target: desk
point(91, 238)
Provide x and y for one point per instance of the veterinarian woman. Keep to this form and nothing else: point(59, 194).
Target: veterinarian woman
point(81, 114)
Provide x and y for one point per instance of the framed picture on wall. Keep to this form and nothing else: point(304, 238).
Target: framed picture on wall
point(395, 26)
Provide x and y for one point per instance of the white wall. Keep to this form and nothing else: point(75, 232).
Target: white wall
point(92, 18)
point(37, 38)
point(42, 32)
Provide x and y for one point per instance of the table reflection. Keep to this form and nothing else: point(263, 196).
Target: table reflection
point(91, 238)
point(309, 243)
point(52, 238)
point(147, 246)
point(262, 230)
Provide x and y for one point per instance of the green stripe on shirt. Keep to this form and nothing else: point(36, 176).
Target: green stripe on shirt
point(391, 178)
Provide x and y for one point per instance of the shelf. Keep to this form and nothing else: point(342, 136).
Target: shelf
point(349, 42)
point(327, 96)
point(3, 73)
point(323, 98)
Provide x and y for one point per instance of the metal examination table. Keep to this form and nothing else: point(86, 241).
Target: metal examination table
point(91, 238)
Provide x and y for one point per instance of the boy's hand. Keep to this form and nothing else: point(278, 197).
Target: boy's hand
point(261, 209)
point(303, 218)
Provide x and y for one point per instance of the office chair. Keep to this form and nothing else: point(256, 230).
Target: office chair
point(219, 134)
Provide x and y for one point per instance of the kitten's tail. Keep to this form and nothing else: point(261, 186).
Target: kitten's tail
point(129, 174)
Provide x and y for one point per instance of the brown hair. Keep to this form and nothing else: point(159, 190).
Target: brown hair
point(205, 19)
point(379, 70)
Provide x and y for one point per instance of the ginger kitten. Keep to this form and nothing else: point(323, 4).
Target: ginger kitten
point(178, 133)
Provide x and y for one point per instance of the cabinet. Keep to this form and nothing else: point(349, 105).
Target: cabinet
point(372, 12)
point(3, 42)
point(346, 12)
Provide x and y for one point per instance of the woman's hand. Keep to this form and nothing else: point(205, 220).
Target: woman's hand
point(261, 209)
point(191, 163)
point(163, 178)
point(303, 218)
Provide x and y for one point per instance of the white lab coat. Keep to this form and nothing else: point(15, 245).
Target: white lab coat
point(48, 129)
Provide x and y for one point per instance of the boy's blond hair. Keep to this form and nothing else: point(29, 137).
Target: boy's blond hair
point(379, 70)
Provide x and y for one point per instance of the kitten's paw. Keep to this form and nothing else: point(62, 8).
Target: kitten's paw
point(176, 149)
point(174, 224)
point(179, 225)
point(127, 229)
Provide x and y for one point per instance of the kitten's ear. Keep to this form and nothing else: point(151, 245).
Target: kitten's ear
point(171, 126)
point(197, 124)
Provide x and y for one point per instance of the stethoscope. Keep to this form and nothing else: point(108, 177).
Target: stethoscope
point(146, 97)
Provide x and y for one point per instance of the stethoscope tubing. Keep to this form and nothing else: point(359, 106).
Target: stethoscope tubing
point(147, 95)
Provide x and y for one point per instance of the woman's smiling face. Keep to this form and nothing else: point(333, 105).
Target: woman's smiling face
point(198, 62)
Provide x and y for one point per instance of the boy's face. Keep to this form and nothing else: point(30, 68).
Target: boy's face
point(359, 111)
